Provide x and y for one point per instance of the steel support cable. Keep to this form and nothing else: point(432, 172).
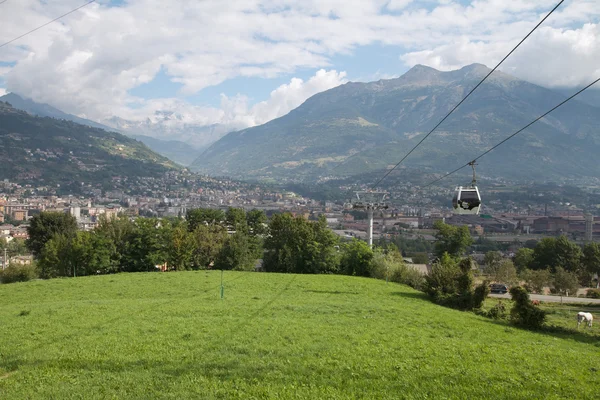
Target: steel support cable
point(514, 134)
point(47, 23)
point(467, 96)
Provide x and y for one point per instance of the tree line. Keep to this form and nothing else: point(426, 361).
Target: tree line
point(204, 239)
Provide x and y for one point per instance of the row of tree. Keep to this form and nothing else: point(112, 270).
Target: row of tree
point(206, 238)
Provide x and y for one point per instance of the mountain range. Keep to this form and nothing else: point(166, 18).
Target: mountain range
point(50, 151)
point(182, 153)
point(361, 127)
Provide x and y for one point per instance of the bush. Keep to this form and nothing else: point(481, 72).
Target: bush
point(408, 275)
point(480, 294)
point(524, 313)
point(450, 284)
point(593, 294)
point(18, 273)
point(497, 312)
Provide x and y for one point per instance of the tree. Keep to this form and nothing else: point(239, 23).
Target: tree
point(120, 232)
point(523, 258)
point(565, 282)
point(591, 258)
point(536, 280)
point(15, 247)
point(453, 240)
point(239, 252)
point(147, 245)
point(47, 224)
point(491, 261)
point(236, 219)
point(356, 258)
point(300, 246)
point(506, 272)
point(50, 258)
point(560, 252)
point(203, 216)
point(256, 220)
point(209, 240)
point(181, 248)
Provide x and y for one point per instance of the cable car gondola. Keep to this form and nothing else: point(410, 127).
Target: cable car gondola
point(467, 200)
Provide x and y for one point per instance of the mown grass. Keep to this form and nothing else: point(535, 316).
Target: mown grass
point(170, 336)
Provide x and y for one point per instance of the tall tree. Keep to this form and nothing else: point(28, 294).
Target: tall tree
point(565, 282)
point(523, 258)
point(204, 216)
point(506, 272)
point(209, 240)
point(236, 219)
point(451, 239)
point(491, 262)
point(591, 259)
point(182, 246)
point(300, 246)
point(239, 252)
point(557, 252)
point(47, 224)
point(356, 258)
point(257, 222)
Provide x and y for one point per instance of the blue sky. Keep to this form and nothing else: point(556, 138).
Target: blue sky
point(243, 62)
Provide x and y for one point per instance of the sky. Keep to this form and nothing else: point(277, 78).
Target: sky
point(240, 63)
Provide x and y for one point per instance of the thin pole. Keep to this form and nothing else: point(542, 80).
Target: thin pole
point(222, 288)
point(370, 215)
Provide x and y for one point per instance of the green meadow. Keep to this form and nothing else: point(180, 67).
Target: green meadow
point(273, 336)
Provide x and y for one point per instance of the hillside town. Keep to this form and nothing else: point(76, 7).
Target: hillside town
point(177, 192)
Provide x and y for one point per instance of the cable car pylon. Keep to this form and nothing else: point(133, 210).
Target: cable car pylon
point(370, 201)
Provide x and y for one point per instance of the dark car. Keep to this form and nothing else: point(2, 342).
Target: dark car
point(498, 288)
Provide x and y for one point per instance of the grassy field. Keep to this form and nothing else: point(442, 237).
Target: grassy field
point(170, 336)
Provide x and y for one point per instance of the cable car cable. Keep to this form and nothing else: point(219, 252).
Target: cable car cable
point(47, 23)
point(465, 98)
point(514, 134)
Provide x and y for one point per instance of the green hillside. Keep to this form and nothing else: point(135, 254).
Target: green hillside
point(169, 335)
point(48, 151)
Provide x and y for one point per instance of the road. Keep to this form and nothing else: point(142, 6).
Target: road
point(551, 299)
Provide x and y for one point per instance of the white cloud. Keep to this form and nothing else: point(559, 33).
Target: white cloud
point(289, 96)
point(87, 63)
point(395, 5)
point(553, 57)
point(156, 116)
point(2, 92)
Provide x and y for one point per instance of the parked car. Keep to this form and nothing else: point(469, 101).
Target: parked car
point(498, 288)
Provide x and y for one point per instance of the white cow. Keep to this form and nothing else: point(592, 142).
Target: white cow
point(584, 317)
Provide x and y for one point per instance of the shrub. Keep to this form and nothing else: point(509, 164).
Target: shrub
point(480, 294)
point(408, 275)
point(18, 273)
point(451, 284)
point(524, 313)
point(497, 312)
point(593, 294)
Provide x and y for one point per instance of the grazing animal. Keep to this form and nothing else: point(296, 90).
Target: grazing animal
point(584, 317)
point(535, 302)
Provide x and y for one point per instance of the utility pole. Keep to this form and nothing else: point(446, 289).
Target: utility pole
point(370, 202)
point(5, 260)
